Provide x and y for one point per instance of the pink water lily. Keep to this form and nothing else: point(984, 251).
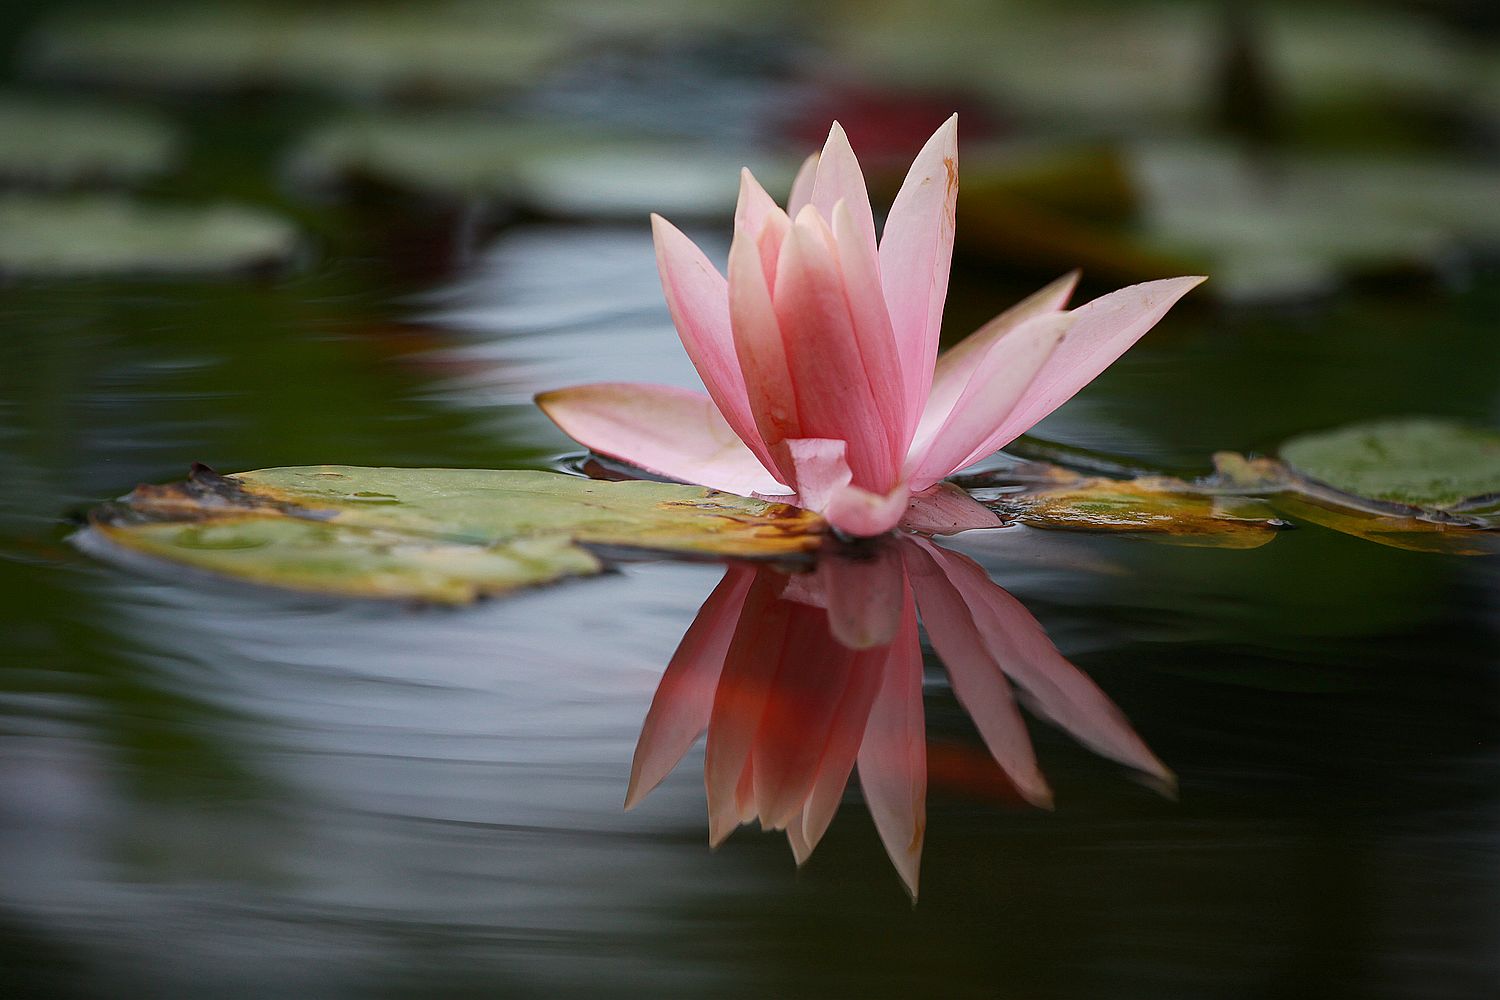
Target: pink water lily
point(820, 354)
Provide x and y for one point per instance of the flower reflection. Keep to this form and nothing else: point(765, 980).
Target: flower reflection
point(799, 678)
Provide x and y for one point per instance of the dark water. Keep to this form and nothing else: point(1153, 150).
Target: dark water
point(217, 791)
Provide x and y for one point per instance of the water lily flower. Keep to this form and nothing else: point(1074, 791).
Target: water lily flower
point(819, 352)
point(802, 679)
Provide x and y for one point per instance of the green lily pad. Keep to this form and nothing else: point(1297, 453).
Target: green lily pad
point(56, 143)
point(442, 535)
point(555, 169)
point(1425, 463)
point(86, 235)
point(451, 48)
point(1291, 226)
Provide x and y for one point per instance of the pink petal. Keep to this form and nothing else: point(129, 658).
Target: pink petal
point(685, 697)
point(893, 756)
point(999, 381)
point(872, 326)
point(956, 365)
point(863, 514)
point(915, 252)
point(1054, 688)
point(865, 591)
point(978, 683)
point(759, 349)
point(1102, 331)
point(761, 221)
point(698, 299)
point(946, 509)
point(818, 469)
point(671, 432)
point(802, 186)
point(840, 179)
point(832, 385)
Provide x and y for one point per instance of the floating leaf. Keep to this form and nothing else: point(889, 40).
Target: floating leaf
point(56, 143)
point(1159, 507)
point(447, 48)
point(446, 535)
point(74, 235)
point(559, 170)
point(1426, 463)
point(1277, 227)
point(1266, 226)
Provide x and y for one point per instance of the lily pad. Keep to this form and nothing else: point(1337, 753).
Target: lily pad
point(86, 235)
point(368, 50)
point(555, 169)
point(1287, 226)
point(54, 143)
point(1425, 463)
point(1042, 495)
point(442, 535)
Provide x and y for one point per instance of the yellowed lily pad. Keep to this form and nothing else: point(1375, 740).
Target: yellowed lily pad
point(1157, 507)
point(442, 535)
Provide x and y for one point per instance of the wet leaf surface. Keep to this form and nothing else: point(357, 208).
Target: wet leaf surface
point(1156, 507)
point(443, 535)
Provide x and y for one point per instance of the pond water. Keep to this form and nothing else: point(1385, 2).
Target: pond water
point(213, 790)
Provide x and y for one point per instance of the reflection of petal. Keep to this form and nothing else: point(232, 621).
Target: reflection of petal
point(750, 668)
point(978, 683)
point(1055, 689)
point(798, 715)
point(865, 593)
point(685, 697)
point(800, 678)
point(893, 756)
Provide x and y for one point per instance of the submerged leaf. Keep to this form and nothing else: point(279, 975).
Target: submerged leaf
point(446, 535)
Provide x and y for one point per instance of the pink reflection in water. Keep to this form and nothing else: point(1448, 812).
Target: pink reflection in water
point(799, 678)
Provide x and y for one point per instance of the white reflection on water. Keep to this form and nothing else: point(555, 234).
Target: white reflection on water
point(549, 306)
point(382, 776)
